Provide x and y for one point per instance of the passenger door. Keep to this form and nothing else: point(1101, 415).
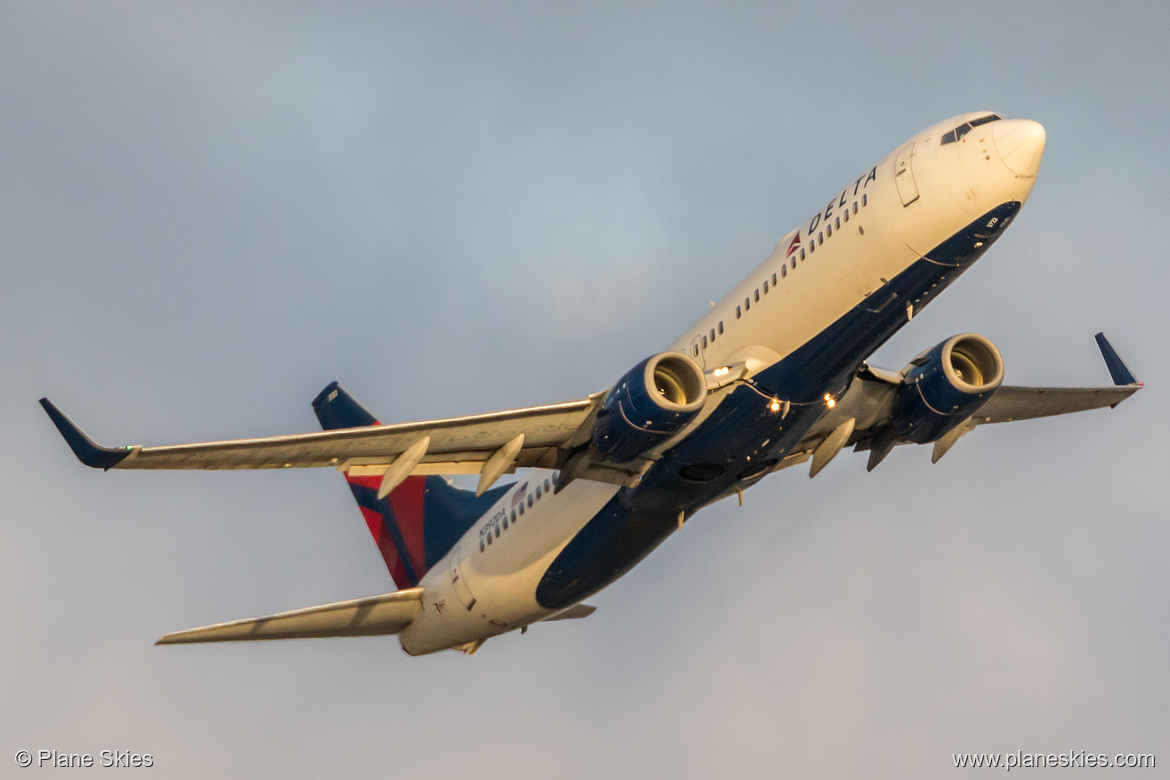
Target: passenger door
point(459, 583)
point(904, 174)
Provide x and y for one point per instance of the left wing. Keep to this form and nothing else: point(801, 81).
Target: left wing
point(488, 444)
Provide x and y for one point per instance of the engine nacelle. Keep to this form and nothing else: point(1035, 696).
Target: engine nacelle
point(651, 403)
point(945, 385)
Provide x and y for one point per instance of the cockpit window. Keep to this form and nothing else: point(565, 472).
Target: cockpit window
point(985, 119)
point(960, 131)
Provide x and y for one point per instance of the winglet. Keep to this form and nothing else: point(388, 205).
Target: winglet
point(1117, 368)
point(92, 455)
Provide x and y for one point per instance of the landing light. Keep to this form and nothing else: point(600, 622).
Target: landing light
point(830, 401)
point(722, 370)
point(775, 405)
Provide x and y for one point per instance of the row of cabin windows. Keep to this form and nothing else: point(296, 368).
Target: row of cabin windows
point(518, 510)
point(712, 340)
point(812, 247)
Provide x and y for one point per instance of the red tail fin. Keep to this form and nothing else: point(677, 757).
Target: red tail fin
point(421, 519)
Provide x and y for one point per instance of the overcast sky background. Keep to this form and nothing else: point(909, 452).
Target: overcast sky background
point(209, 211)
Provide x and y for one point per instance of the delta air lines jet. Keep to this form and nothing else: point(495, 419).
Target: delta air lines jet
point(771, 376)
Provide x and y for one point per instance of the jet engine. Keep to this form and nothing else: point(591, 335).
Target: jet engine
point(945, 385)
point(652, 402)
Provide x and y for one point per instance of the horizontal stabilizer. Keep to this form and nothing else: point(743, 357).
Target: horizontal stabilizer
point(574, 612)
point(369, 616)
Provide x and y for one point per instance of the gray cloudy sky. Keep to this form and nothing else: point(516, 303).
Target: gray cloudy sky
point(209, 211)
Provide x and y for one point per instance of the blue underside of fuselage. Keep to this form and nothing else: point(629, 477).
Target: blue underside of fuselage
point(741, 440)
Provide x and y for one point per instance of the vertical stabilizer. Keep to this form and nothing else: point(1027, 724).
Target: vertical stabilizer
point(421, 519)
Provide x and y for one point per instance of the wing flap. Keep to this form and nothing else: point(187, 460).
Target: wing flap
point(369, 616)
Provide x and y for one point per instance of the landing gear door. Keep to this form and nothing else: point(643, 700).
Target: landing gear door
point(904, 174)
point(459, 583)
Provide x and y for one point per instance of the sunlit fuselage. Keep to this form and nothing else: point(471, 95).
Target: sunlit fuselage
point(802, 323)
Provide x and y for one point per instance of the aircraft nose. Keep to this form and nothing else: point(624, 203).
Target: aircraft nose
point(1020, 144)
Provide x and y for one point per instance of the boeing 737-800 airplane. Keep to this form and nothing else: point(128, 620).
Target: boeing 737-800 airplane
point(771, 376)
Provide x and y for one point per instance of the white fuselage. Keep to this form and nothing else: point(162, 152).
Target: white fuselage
point(869, 231)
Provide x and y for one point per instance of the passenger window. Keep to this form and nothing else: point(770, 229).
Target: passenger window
point(546, 486)
point(812, 247)
point(838, 221)
point(696, 350)
point(846, 215)
point(521, 507)
point(497, 532)
point(538, 492)
point(704, 342)
point(738, 313)
point(481, 548)
point(864, 200)
point(820, 238)
point(720, 327)
point(505, 521)
point(829, 231)
point(757, 295)
point(784, 270)
point(773, 280)
point(513, 515)
point(554, 477)
point(854, 207)
point(747, 304)
point(529, 500)
point(765, 287)
point(801, 257)
point(712, 335)
point(489, 537)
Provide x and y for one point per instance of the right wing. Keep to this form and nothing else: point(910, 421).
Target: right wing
point(868, 403)
point(1025, 403)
